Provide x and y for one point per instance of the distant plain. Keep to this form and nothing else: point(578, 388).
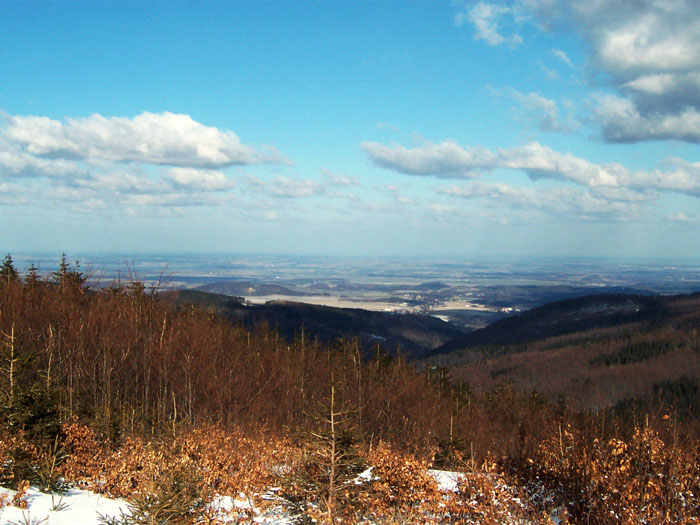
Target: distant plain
point(471, 293)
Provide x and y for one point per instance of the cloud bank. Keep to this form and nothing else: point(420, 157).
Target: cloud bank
point(449, 160)
point(152, 159)
point(152, 138)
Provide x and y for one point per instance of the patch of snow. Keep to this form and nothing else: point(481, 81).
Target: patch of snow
point(78, 507)
point(365, 476)
point(447, 481)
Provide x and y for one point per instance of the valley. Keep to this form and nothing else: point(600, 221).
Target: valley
point(467, 293)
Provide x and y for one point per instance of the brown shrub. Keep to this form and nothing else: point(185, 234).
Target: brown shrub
point(639, 480)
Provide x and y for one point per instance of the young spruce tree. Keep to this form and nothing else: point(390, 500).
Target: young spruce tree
point(330, 460)
point(8, 273)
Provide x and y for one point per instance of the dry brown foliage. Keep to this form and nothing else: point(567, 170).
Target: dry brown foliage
point(18, 458)
point(19, 499)
point(165, 397)
point(223, 462)
point(401, 490)
point(639, 480)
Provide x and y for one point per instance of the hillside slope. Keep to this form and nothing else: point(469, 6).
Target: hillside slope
point(598, 351)
point(415, 335)
point(560, 318)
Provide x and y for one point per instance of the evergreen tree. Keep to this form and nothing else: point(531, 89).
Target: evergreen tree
point(68, 277)
point(25, 403)
point(331, 459)
point(61, 274)
point(32, 275)
point(7, 270)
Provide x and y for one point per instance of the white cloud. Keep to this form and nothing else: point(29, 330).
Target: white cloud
point(207, 180)
point(681, 217)
point(648, 52)
point(540, 161)
point(118, 182)
point(485, 19)
point(622, 121)
point(340, 180)
point(632, 37)
point(655, 84)
point(651, 52)
point(153, 159)
point(12, 195)
point(559, 201)
point(542, 110)
point(561, 55)
point(17, 163)
point(151, 138)
point(286, 187)
point(449, 160)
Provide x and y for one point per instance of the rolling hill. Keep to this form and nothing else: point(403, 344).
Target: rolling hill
point(415, 335)
point(598, 351)
point(560, 318)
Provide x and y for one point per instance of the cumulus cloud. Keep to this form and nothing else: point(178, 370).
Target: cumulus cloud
point(651, 54)
point(151, 138)
point(449, 160)
point(633, 38)
point(622, 121)
point(162, 159)
point(17, 163)
point(647, 51)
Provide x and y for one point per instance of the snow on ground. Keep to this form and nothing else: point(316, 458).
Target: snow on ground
point(241, 507)
point(74, 507)
point(447, 481)
point(82, 507)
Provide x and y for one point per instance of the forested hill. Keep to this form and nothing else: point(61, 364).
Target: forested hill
point(560, 318)
point(414, 335)
point(607, 351)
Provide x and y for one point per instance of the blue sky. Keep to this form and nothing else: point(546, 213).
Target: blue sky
point(520, 128)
